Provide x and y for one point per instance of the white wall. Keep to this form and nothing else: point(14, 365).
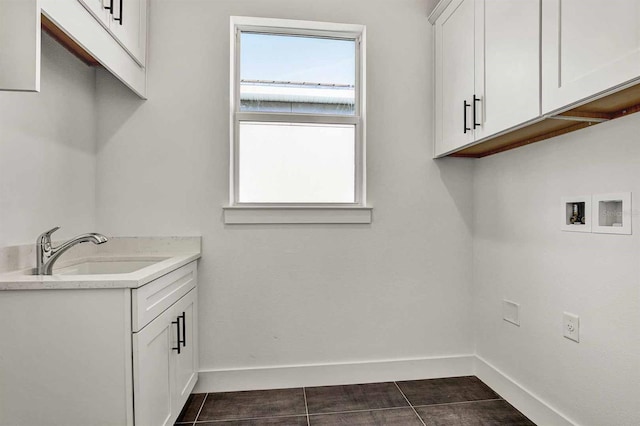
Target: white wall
point(273, 295)
point(520, 254)
point(307, 294)
point(47, 152)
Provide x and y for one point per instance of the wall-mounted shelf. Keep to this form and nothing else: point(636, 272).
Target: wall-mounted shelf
point(609, 107)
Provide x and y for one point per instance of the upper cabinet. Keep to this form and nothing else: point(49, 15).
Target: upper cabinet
point(455, 78)
point(487, 69)
point(588, 47)
point(129, 26)
point(126, 20)
point(507, 63)
point(111, 33)
point(99, 9)
point(509, 73)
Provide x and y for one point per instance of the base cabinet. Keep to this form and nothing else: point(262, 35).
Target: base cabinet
point(186, 362)
point(154, 368)
point(78, 357)
point(165, 363)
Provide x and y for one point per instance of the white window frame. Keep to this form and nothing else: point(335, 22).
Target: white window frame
point(356, 212)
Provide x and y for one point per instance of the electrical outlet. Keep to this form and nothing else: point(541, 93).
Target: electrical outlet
point(571, 326)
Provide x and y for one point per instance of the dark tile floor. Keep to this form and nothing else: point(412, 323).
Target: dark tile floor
point(459, 401)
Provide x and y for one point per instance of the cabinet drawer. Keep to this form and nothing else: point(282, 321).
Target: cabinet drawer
point(152, 299)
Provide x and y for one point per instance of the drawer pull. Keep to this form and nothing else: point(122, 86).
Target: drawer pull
point(466, 105)
point(177, 323)
point(120, 18)
point(110, 7)
point(475, 123)
point(184, 330)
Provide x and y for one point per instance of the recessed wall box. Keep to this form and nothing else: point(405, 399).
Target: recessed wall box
point(576, 213)
point(612, 213)
point(511, 312)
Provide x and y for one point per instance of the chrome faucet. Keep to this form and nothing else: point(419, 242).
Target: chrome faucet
point(46, 254)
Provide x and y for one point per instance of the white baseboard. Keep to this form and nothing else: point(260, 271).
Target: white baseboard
point(333, 374)
point(540, 412)
point(289, 376)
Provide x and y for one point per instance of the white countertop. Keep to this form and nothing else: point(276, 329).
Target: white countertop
point(170, 256)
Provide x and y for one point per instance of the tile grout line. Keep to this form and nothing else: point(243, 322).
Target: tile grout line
point(241, 419)
point(364, 410)
point(306, 407)
point(410, 405)
point(459, 402)
point(201, 407)
point(284, 416)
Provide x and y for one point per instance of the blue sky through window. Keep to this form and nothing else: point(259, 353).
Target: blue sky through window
point(297, 59)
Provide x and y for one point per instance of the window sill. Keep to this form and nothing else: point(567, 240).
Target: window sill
point(238, 215)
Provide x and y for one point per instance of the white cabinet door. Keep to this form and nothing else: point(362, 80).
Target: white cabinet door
point(99, 9)
point(153, 371)
point(507, 76)
point(454, 35)
point(588, 46)
point(129, 26)
point(186, 371)
point(20, 45)
point(165, 363)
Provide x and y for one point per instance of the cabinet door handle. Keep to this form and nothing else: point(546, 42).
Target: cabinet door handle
point(184, 329)
point(466, 105)
point(177, 323)
point(110, 7)
point(120, 18)
point(475, 100)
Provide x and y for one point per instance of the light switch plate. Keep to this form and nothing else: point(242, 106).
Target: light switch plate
point(571, 326)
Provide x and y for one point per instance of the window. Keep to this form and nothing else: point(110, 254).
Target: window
point(297, 115)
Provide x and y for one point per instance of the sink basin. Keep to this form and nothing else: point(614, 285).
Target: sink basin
point(94, 267)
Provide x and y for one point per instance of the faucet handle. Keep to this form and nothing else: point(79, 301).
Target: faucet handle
point(45, 237)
